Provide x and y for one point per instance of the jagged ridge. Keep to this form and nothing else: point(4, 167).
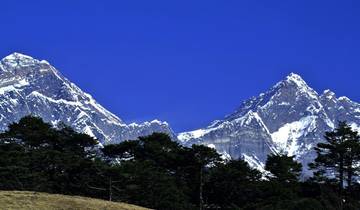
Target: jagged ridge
point(291, 117)
point(29, 86)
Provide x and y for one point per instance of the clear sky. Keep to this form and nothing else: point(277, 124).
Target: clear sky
point(187, 62)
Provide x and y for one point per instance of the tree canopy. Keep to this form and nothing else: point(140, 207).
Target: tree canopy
point(283, 168)
point(338, 158)
point(156, 172)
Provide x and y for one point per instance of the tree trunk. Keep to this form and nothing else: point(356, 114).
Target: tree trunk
point(341, 174)
point(349, 178)
point(110, 189)
point(341, 183)
point(201, 202)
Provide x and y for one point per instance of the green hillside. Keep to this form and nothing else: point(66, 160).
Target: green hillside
point(18, 200)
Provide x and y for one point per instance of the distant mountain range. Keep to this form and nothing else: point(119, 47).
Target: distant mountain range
point(291, 117)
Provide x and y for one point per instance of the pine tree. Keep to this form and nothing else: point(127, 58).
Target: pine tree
point(338, 156)
point(203, 156)
point(154, 170)
point(55, 160)
point(232, 185)
point(283, 168)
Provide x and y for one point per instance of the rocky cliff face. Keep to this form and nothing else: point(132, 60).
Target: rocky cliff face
point(30, 86)
point(291, 117)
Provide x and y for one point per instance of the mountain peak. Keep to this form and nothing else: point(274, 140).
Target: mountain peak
point(297, 82)
point(292, 79)
point(21, 64)
point(16, 60)
point(328, 94)
point(18, 56)
point(294, 75)
point(295, 78)
point(29, 86)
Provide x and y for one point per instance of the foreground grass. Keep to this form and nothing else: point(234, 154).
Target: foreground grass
point(19, 200)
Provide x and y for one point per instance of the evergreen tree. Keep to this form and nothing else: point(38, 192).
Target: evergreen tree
point(283, 168)
point(159, 173)
point(52, 159)
point(339, 155)
point(203, 156)
point(232, 185)
point(145, 184)
point(155, 171)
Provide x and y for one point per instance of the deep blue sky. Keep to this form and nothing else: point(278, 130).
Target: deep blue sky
point(187, 62)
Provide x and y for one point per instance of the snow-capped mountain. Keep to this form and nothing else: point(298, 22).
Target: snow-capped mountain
point(291, 117)
point(30, 86)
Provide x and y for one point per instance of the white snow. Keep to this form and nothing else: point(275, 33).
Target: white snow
point(245, 120)
point(156, 121)
point(344, 98)
point(88, 131)
point(17, 59)
point(7, 89)
point(296, 79)
point(21, 83)
point(44, 70)
point(302, 85)
point(14, 101)
point(193, 134)
point(284, 104)
point(12, 85)
point(113, 118)
point(249, 117)
point(45, 62)
point(286, 137)
point(355, 127)
point(78, 109)
point(225, 156)
point(17, 55)
point(57, 101)
point(254, 162)
point(329, 94)
point(329, 123)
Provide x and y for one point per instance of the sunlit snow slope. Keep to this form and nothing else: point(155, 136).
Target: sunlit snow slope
point(291, 117)
point(29, 86)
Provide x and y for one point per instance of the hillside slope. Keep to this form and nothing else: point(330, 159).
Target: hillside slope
point(18, 200)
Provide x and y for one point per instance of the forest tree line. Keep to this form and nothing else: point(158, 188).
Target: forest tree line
point(156, 172)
